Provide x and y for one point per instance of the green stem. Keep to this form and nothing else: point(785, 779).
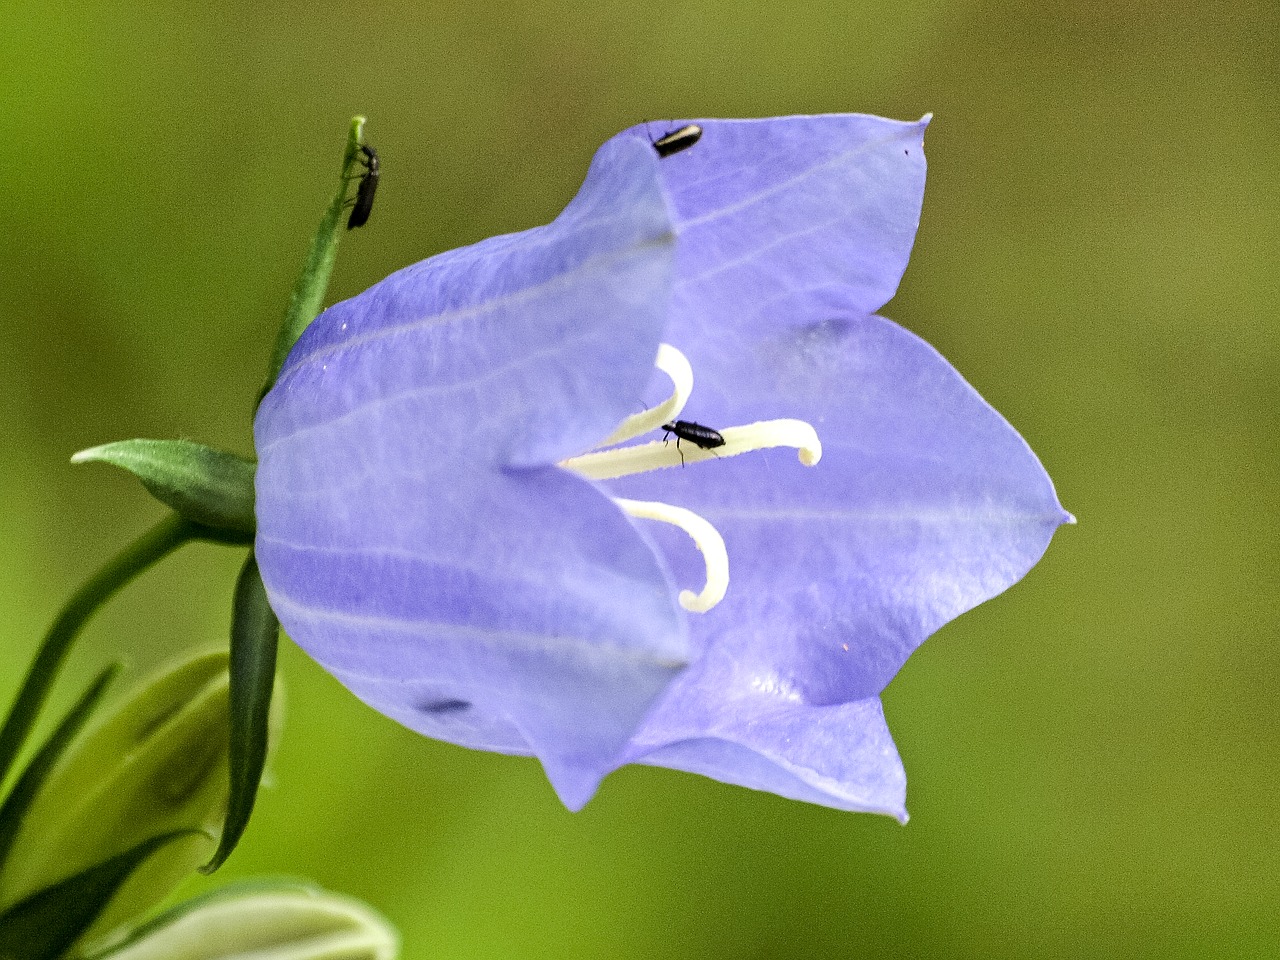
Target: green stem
point(158, 542)
point(308, 292)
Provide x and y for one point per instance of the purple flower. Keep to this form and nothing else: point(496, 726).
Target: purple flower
point(459, 518)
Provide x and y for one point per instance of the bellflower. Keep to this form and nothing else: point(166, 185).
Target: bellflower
point(461, 517)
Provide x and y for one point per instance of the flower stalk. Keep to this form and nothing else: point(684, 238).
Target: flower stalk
point(158, 542)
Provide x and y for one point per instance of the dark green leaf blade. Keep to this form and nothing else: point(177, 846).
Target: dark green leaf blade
point(24, 791)
point(206, 486)
point(255, 635)
point(47, 923)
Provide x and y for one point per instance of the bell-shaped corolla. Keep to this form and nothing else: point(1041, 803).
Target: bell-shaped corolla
point(460, 517)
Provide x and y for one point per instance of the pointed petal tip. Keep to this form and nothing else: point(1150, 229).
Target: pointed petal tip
point(573, 785)
point(574, 805)
point(860, 803)
point(926, 119)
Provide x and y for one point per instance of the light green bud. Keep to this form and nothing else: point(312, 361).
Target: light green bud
point(157, 764)
point(265, 921)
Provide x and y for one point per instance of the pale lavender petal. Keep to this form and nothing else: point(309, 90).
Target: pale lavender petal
point(402, 543)
point(824, 206)
point(548, 628)
point(839, 756)
point(925, 503)
point(528, 347)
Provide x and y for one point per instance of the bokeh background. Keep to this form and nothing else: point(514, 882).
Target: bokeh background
point(1092, 758)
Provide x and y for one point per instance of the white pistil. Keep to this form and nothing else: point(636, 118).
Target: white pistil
point(657, 454)
point(676, 366)
point(705, 537)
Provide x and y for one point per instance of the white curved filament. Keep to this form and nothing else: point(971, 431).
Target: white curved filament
point(705, 537)
point(676, 366)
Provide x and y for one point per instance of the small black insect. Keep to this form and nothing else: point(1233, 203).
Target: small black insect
point(695, 433)
point(678, 140)
point(368, 187)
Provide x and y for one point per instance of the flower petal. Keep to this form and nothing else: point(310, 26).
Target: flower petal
point(526, 348)
point(521, 613)
point(827, 205)
point(408, 535)
point(839, 756)
point(925, 503)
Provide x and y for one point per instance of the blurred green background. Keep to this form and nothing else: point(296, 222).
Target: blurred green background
point(1092, 759)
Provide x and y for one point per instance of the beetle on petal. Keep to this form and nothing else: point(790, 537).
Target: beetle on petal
point(460, 516)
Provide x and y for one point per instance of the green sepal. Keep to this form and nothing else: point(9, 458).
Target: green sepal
point(206, 486)
point(265, 919)
point(255, 635)
point(309, 289)
point(156, 763)
point(47, 923)
point(14, 809)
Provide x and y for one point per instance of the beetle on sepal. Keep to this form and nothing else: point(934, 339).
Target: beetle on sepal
point(367, 189)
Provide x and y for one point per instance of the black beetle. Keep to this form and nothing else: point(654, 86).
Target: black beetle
point(368, 187)
point(695, 433)
point(678, 140)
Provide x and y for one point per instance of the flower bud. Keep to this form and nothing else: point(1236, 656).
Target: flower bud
point(264, 920)
point(155, 765)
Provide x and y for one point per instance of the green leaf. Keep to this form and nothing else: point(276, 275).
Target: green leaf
point(308, 291)
point(18, 802)
point(266, 920)
point(206, 486)
point(157, 763)
point(47, 923)
point(255, 635)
